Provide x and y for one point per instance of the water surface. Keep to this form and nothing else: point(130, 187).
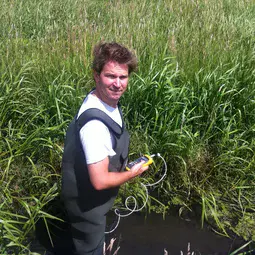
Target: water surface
point(137, 235)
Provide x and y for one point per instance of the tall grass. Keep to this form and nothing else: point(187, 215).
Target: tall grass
point(192, 100)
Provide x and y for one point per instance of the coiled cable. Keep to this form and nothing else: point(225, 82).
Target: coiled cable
point(127, 200)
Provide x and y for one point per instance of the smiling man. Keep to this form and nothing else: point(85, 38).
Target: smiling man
point(96, 150)
point(111, 83)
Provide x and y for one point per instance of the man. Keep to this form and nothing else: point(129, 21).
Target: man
point(96, 150)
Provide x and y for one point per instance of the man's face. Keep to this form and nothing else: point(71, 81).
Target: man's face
point(112, 82)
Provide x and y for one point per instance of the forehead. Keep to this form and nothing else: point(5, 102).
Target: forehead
point(115, 67)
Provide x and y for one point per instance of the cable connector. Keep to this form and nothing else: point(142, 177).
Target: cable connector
point(157, 154)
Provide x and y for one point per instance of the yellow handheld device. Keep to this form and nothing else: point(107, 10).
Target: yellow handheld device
point(146, 158)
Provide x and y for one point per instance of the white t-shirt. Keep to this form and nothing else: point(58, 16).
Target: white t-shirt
point(96, 140)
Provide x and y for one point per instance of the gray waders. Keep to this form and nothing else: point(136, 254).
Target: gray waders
point(87, 207)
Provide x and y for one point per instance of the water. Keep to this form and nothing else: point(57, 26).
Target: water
point(140, 235)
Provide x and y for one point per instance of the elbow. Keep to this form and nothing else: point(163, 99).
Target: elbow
point(98, 185)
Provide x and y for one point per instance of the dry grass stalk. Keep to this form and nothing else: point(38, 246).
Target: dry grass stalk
point(188, 251)
point(108, 250)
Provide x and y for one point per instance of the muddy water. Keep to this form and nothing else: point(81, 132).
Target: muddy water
point(137, 235)
point(140, 235)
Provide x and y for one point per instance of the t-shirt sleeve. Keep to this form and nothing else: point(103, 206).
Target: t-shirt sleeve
point(96, 141)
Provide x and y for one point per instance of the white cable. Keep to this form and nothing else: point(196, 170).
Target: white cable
point(135, 209)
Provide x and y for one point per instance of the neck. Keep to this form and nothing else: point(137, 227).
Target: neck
point(99, 96)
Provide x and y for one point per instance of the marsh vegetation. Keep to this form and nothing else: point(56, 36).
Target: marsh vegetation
point(192, 100)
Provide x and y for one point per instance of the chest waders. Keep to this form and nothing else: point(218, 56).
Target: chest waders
point(87, 207)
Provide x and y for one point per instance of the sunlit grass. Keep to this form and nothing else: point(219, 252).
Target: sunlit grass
point(192, 100)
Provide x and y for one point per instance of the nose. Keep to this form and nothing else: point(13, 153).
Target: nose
point(117, 82)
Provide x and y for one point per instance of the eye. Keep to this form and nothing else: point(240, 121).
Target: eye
point(111, 76)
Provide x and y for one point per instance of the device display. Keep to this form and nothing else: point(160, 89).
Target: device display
point(146, 158)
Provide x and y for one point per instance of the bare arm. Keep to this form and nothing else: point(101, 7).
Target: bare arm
point(101, 178)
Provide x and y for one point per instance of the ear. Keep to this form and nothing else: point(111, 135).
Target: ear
point(96, 76)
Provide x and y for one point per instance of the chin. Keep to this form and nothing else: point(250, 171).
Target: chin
point(116, 98)
point(116, 95)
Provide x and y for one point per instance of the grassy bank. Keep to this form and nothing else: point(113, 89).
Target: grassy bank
point(192, 100)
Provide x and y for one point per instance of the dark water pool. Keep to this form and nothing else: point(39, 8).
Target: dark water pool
point(138, 235)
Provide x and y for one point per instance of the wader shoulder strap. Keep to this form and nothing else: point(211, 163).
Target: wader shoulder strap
point(94, 113)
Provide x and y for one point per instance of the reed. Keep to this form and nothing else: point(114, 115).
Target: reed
point(192, 100)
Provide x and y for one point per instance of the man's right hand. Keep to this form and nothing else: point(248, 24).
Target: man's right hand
point(138, 169)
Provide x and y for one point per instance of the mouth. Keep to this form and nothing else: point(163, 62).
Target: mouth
point(116, 91)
